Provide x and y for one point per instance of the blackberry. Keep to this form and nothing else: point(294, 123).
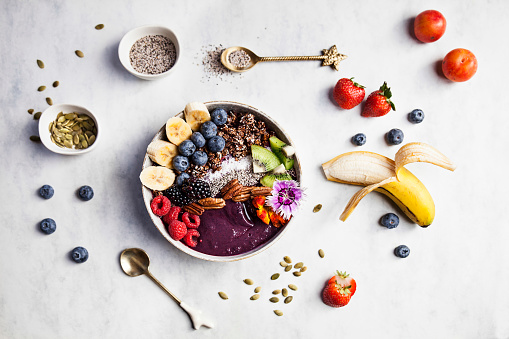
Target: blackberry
point(196, 189)
point(177, 197)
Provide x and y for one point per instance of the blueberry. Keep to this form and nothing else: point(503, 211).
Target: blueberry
point(198, 139)
point(186, 148)
point(48, 225)
point(402, 251)
point(219, 116)
point(394, 136)
point(181, 177)
point(208, 129)
point(390, 220)
point(416, 116)
point(216, 144)
point(46, 191)
point(79, 254)
point(180, 163)
point(86, 193)
point(359, 139)
point(199, 158)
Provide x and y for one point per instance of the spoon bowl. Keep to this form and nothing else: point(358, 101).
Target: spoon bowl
point(134, 262)
point(225, 59)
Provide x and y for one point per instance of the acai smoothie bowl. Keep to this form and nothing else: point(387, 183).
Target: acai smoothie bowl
point(221, 181)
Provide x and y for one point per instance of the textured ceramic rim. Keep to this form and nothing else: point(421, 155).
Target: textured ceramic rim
point(147, 193)
point(133, 35)
point(50, 115)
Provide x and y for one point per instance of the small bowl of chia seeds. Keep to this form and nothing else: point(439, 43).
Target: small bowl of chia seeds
point(149, 52)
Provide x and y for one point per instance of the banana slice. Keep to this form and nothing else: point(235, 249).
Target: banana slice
point(196, 114)
point(157, 178)
point(177, 130)
point(162, 152)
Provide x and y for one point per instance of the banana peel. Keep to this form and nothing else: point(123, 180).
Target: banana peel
point(389, 177)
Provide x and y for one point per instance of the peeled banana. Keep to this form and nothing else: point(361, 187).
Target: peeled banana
point(389, 177)
point(196, 113)
point(157, 178)
point(177, 130)
point(162, 152)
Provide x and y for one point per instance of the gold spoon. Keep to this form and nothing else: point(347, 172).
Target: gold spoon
point(330, 57)
point(135, 262)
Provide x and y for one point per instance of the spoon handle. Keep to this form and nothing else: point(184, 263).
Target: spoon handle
point(293, 58)
point(158, 283)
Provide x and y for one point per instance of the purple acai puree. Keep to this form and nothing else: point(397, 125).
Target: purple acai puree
point(232, 230)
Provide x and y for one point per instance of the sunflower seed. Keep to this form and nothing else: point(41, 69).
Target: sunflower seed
point(255, 297)
point(79, 53)
point(278, 313)
point(49, 101)
point(297, 274)
point(223, 295)
point(41, 88)
point(283, 264)
point(37, 115)
point(288, 299)
point(99, 27)
point(248, 281)
point(317, 208)
point(274, 299)
point(274, 276)
point(293, 287)
point(304, 269)
point(299, 265)
point(288, 259)
point(284, 292)
point(30, 111)
point(40, 63)
point(276, 292)
point(56, 83)
point(258, 289)
point(321, 253)
point(35, 138)
point(287, 268)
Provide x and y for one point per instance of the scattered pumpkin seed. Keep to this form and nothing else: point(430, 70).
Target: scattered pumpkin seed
point(56, 83)
point(41, 88)
point(248, 281)
point(223, 295)
point(278, 313)
point(276, 292)
point(321, 253)
point(258, 289)
point(288, 259)
point(35, 138)
point(299, 265)
point(317, 208)
point(283, 264)
point(79, 53)
point(274, 276)
point(293, 287)
point(274, 299)
point(99, 27)
point(288, 268)
point(284, 292)
point(40, 63)
point(30, 111)
point(288, 299)
point(49, 101)
point(255, 297)
point(304, 269)
point(297, 274)
point(37, 115)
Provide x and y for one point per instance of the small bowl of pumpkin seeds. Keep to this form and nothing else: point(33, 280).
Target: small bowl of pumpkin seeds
point(68, 129)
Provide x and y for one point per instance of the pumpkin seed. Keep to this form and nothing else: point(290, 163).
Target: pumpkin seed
point(317, 208)
point(223, 295)
point(84, 143)
point(30, 111)
point(40, 63)
point(274, 276)
point(258, 289)
point(288, 299)
point(293, 287)
point(79, 53)
point(67, 144)
point(83, 116)
point(41, 88)
point(91, 122)
point(75, 127)
point(283, 264)
point(70, 116)
point(304, 269)
point(274, 299)
point(321, 253)
point(99, 27)
point(276, 292)
point(81, 137)
point(89, 133)
point(61, 119)
point(50, 128)
point(49, 101)
point(299, 265)
point(248, 281)
point(37, 115)
point(288, 259)
point(61, 114)
point(76, 140)
point(284, 292)
point(35, 138)
point(297, 274)
point(278, 313)
point(68, 137)
point(64, 130)
point(87, 138)
point(87, 125)
point(287, 268)
point(255, 297)
point(56, 83)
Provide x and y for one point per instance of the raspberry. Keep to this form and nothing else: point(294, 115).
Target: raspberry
point(196, 220)
point(177, 229)
point(160, 205)
point(188, 239)
point(173, 214)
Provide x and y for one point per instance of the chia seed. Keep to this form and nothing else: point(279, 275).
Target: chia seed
point(239, 59)
point(153, 54)
point(211, 62)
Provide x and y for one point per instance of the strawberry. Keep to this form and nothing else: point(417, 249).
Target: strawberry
point(339, 290)
point(378, 103)
point(348, 94)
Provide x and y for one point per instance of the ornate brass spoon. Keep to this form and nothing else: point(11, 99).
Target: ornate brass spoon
point(330, 57)
point(135, 262)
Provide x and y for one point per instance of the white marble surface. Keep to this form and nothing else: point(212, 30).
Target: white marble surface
point(453, 285)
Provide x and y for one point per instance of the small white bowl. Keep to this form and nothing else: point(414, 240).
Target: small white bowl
point(137, 33)
point(50, 114)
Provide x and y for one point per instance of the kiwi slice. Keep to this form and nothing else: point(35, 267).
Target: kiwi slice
point(263, 159)
point(268, 180)
point(277, 145)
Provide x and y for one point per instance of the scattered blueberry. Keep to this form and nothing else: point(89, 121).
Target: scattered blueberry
point(402, 251)
point(199, 158)
point(208, 129)
point(359, 139)
point(394, 136)
point(216, 144)
point(416, 116)
point(181, 178)
point(46, 191)
point(86, 193)
point(180, 163)
point(186, 148)
point(79, 254)
point(219, 116)
point(198, 139)
point(48, 225)
point(390, 220)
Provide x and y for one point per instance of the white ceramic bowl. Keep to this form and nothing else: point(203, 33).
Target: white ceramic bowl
point(50, 115)
point(135, 34)
point(147, 193)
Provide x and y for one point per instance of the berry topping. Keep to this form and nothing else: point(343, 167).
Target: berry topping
point(219, 116)
point(199, 158)
point(160, 205)
point(348, 94)
point(46, 191)
point(181, 178)
point(180, 163)
point(216, 144)
point(196, 189)
point(48, 225)
point(173, 214)
point(177, 229)
point(191, 238)
point(186, 148)
point(86, 193)
point(394, 136)
point(177, 197)
point(402, 251)
point(416, 116)
point(198, 139)
point(359, 139)
point(186, 219)
point(79, 254)
point(390, 220)
point(208, 129)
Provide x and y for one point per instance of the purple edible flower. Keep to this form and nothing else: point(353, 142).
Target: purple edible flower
point(285, 197)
